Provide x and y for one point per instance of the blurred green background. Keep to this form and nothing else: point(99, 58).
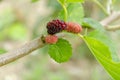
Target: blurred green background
point(24, 20)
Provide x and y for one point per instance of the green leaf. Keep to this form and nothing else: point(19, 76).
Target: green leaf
point(91, 23)
point(103, 37)
point(61, 15)
point(102, 54)
point(61, 51)
point(71, 1)
point(75, 13)
point(99, 46)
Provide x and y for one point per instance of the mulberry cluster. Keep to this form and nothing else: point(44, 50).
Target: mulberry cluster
point(55, 26)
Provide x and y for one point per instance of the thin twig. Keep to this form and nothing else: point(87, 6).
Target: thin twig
point(21, 52)
point(101, 6)
point(109, 6)
point(113, 28)
point(111, 18)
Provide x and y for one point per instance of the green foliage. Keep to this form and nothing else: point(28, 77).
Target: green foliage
point(62, 1)
point(61, 51)
point(75, 13)
point(17, 31)
point(100, 44)
point(70, 12)
point(6, 18)
point(101, 36)
point(91, 23)
point(102, 47)
point(93, 43)
point(103, 55)
point(2, 51)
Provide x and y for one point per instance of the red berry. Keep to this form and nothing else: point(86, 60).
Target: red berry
point(55, 26)
point(51, 39)
point(73, 27)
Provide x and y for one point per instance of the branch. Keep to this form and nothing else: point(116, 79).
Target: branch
point(21, 52)
point(38, 43)
point(113, 28)
point(114, 16)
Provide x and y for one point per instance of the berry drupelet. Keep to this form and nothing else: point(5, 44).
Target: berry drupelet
point(56, 26)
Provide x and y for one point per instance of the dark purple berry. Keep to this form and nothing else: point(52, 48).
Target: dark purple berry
point(55, 26)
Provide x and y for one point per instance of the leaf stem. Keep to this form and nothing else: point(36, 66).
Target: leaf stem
point(65, 10)
point(66, 13)
point(81, 36)
point(100, 5)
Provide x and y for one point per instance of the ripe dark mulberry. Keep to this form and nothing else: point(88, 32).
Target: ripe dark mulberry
point(51, 39)
point(56, 26)
point(73, 27)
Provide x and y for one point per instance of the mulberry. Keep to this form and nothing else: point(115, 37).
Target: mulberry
point(73, 27)
point(55, 26)
point(51, 39)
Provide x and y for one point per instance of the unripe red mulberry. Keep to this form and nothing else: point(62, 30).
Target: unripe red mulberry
point(73, 27)
point(51, 39)
point(55, 26)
